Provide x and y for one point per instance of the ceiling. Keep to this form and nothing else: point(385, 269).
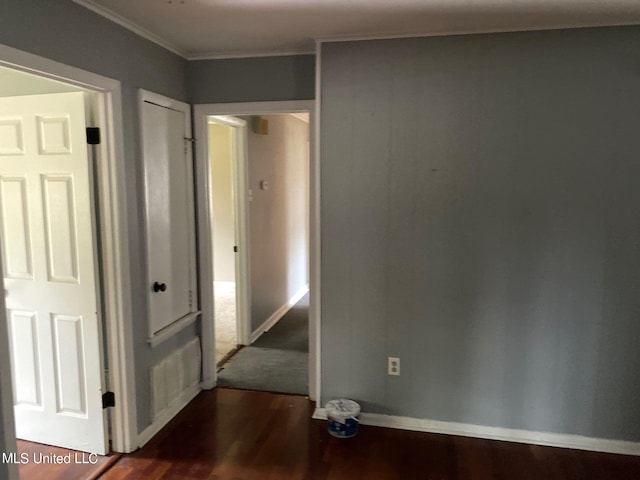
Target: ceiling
point(235, 28)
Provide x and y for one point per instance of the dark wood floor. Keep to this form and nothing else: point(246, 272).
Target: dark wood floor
point(76, 470)
point(230, 434)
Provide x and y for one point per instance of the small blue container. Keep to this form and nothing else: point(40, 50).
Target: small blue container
point(342, 417)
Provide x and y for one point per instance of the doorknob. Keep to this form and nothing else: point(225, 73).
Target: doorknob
point(159, 287)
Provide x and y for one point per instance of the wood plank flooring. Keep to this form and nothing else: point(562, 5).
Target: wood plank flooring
point(36, 469)
point(228, 434)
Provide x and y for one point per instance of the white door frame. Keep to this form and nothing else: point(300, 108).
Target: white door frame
point(203, 195)
point(7, 470)
point(113, 231)
point(241, 225)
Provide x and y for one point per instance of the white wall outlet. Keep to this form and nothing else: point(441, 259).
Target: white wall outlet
point(393, 366)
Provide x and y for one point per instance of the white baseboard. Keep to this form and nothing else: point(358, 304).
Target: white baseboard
point(167, 415)
point(495, 433)
point(278, 314)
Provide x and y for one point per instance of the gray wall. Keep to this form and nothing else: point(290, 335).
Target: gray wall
point(259, 79)
point(66, 32)
point(278, 216)
point(481, 220)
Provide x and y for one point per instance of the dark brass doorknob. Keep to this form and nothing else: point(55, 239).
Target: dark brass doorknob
point(159, 287)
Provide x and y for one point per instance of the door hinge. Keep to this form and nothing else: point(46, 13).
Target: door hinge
point(235, 248)
point(190, 298)
point(188, 141)
point(93, 135)
point(108, 399)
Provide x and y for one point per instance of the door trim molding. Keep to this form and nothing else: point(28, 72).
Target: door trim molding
point(242, 262)
point(201, 112)
point(7, 425)
point(113, 231)
point(315, 258)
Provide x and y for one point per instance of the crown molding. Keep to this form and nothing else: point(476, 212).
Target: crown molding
point(143, 32)
point(132, 26)
point(447, 33)
point(213, 55)
point(250, 54)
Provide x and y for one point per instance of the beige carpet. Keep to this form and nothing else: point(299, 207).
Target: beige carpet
point(225, 318)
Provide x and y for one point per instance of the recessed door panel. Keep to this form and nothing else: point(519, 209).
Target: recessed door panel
point(69, 364)
point(54, 137)
point(11, 139)
point(25, 359)
point(60, 222)
point(16, 236)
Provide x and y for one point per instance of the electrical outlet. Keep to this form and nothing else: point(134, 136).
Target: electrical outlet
point(393, 366)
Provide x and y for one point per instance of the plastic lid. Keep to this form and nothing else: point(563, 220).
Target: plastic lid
point(341, 409)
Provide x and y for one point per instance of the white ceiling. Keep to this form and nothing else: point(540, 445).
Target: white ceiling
point(228, 28)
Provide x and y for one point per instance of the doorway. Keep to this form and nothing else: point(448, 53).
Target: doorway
point(269, 185)
point(58, 193)
point(203, 195)
point(50, 262)
point(227, 140)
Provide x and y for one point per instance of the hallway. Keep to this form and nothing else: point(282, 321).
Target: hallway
point(278, 361)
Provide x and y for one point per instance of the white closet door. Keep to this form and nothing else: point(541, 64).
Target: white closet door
point(170, 215)
point(46, 225)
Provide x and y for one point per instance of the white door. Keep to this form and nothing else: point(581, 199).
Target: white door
point(49, 271)
point(170, 214)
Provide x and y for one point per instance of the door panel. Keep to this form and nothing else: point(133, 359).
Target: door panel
point(26, 364)
point(60, 223)
point(69, 363)
point(16, 237)
point(169, 215)
point(50, 279)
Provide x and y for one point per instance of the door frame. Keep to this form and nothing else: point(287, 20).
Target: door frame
point(113, 233)
point(203, 196)
point(7, 470)
point(241, 223)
